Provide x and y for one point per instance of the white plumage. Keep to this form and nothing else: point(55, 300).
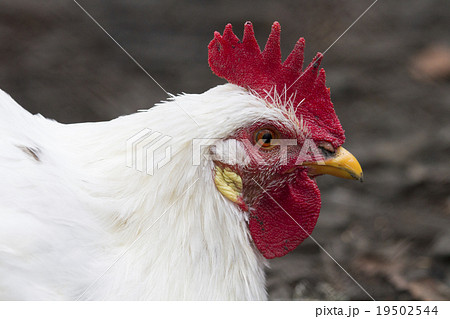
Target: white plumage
point(70, 206)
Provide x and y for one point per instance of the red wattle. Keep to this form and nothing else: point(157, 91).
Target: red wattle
point(272, 229)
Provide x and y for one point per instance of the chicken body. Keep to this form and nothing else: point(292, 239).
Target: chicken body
point(78, 223)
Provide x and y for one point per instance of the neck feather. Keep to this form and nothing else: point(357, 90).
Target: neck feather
point(184, 240)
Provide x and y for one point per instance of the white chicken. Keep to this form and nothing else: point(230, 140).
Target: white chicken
point(77, 222)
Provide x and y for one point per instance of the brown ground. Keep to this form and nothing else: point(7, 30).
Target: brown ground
point(389, 77)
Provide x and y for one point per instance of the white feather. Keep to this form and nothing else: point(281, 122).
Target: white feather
point(70, 207)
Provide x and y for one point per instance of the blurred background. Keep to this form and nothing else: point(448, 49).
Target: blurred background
point(389, 78)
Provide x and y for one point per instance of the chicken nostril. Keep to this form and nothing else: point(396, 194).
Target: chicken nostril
point(327, 149)
point(326, 153)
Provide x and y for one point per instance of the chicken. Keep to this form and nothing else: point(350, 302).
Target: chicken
point(88, 213)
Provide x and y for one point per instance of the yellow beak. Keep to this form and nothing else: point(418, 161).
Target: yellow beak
point(342, 164)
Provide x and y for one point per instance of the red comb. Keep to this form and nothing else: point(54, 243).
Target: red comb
point(242, 63)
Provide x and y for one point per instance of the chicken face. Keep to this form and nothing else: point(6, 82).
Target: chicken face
point(274, 181)
point(279, 157)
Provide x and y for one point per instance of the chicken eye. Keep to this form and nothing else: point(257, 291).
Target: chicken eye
point(264, 138)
